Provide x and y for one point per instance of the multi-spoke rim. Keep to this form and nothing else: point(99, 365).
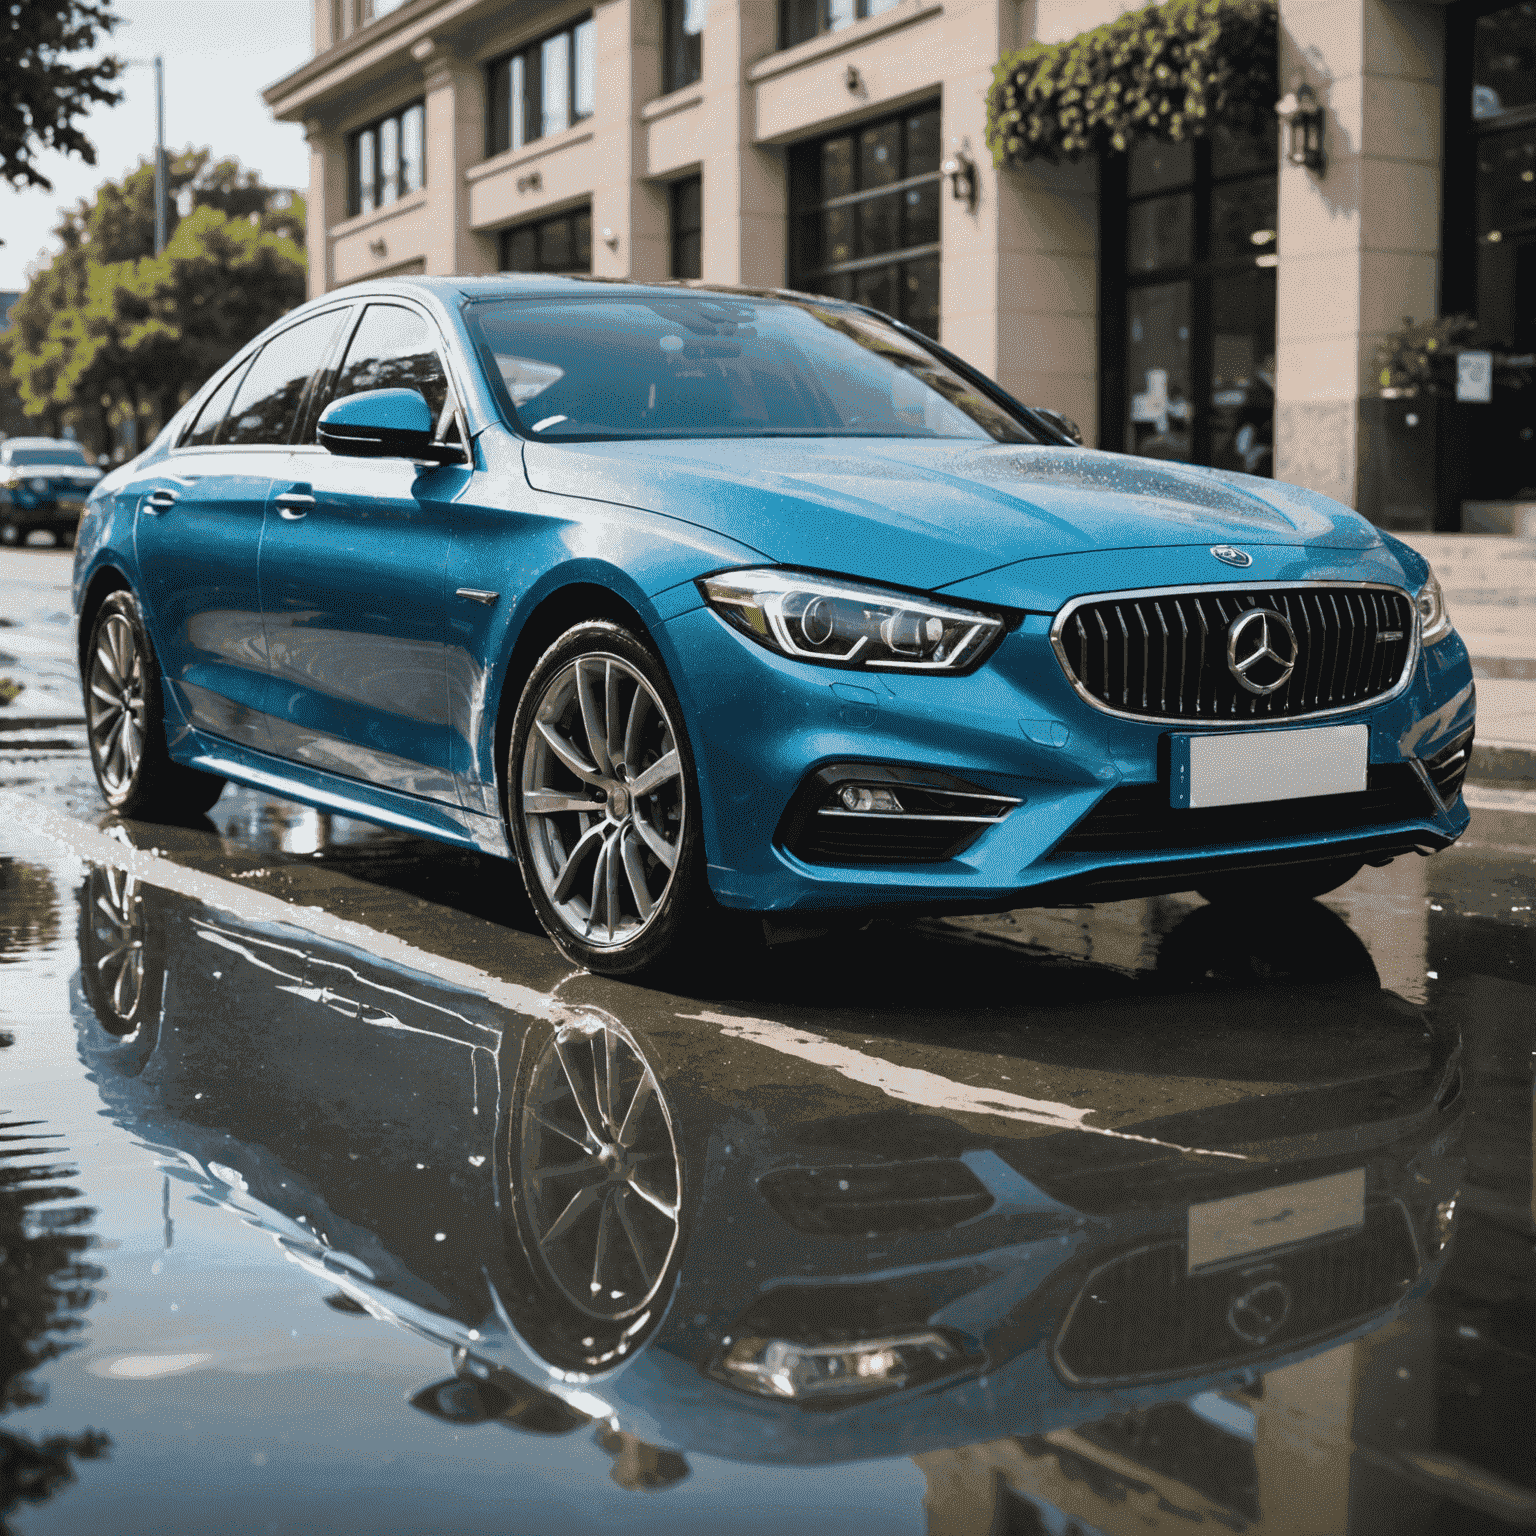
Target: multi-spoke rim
point(603, 799)
point(117, 699)
point(600, 1178)
point(117, 918)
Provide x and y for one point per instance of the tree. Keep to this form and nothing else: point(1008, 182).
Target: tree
point(41, 94)
point(108, 335)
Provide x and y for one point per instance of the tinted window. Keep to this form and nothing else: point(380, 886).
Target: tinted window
point(267, 402)
point(214, 410)
point(46, 456)
point(712, 365)
point(394, 348)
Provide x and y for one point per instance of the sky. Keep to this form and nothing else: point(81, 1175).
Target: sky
point(218, 56)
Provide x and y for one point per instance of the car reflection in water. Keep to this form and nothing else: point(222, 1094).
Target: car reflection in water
point(628, 1227)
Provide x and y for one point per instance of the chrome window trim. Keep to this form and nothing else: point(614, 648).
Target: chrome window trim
point(1270, 722)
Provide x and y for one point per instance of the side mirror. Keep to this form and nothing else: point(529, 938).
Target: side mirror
point(383, 424)
point(1063, 424)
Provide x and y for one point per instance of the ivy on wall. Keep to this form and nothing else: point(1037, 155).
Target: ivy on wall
point(1168, 72)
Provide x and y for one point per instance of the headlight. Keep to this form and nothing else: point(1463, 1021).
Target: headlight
point(807, 1372)
point(1434, 620)
point(847, 624)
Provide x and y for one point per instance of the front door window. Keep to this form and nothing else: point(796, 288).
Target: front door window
point(1189, 326)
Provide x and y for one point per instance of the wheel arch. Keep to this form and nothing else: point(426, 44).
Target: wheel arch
point(576, 603)
point(106, 580)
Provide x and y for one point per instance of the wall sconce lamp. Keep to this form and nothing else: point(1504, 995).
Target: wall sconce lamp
point(853, 80)
point(378, 248)
point(961, 170)
point(610, 239)
point(1301, 113)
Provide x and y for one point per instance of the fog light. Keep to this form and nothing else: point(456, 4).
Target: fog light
point(860, 797)
point(778, 1368)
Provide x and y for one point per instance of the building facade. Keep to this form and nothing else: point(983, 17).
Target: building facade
point(1209, 302)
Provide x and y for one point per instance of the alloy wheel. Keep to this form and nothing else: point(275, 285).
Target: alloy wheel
point(601, 1178)
point(118, 701)
point(603, 799)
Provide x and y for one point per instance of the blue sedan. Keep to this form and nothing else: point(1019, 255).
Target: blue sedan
point(723, 610)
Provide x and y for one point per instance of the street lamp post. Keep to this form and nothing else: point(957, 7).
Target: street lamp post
point(161, 169)
point(160, 166)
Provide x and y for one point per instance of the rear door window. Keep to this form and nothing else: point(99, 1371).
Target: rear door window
point(266, 405)
point(215, 409)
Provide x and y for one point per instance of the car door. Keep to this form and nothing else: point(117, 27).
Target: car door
point(353, 562)
point(197, 534)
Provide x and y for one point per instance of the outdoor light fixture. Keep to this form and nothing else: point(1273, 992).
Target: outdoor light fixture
point(1302, 114)
point(961, 170)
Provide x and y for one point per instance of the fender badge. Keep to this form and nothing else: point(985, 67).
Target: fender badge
point(1230, 556)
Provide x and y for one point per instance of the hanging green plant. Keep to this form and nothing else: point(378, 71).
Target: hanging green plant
point(1170, 72)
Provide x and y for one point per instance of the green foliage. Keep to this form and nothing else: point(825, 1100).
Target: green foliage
point(41, 94)
point(1169, 72)
point(107, 334)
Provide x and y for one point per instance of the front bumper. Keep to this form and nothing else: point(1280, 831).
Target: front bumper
point(761, 724)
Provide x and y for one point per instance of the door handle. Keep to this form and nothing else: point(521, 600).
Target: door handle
point(159, 501)
point(292, 505)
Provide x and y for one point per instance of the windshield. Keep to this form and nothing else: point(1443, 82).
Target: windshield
point(699, 364)
point(71, 456)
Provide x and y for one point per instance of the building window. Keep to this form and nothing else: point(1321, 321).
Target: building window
point(560, 244)
point(540, 89)
point(685, 206)
point(386, 160)
point(1188, 326)
point(800, 20)
point(865, 220)
point(683, 46)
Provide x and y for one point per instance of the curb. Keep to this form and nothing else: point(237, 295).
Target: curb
point(1509, 763)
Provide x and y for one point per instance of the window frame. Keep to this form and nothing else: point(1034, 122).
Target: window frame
point(1117, 283)
point(804, 153)
point(823, 25)
point(374, 130)
point(532, 50)
point(676, 190)
point(675, 60)
point(505, 233)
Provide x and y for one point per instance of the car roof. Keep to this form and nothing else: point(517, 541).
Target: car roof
point(530, 284)
point(38, 442)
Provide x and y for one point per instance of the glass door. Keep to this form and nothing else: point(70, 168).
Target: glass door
point(1188, 328)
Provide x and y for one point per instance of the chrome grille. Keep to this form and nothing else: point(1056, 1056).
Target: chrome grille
point(1162, 655)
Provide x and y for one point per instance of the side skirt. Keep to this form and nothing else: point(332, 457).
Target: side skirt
point(346, 797)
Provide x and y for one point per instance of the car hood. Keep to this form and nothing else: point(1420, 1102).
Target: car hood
point(926, 514)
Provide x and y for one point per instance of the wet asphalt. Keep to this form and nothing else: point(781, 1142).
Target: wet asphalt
point(331, 1198)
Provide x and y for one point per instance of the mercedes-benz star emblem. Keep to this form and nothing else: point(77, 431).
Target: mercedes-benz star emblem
point(1261, 650)
point(1257, 1315)
point(1230, 555)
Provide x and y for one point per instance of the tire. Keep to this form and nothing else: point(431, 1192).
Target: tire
point(617, 880)
point(125, 721)
point(1272, 887)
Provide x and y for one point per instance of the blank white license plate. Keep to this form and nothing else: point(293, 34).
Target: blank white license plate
point(1243, 1225)
point(1248, 767)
